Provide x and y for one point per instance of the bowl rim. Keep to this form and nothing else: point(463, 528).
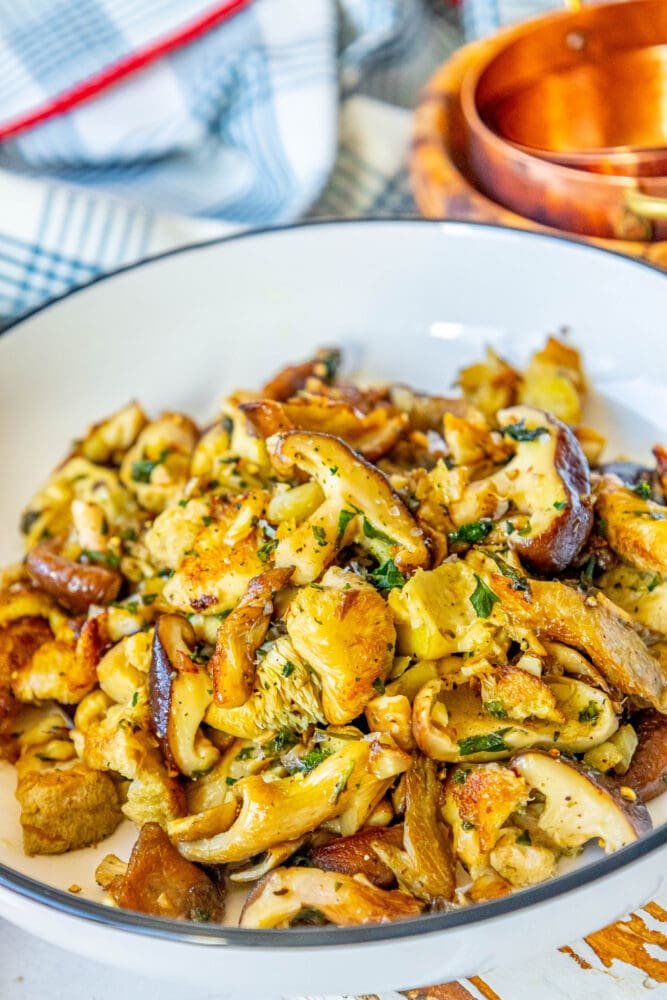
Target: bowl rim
point(315, 937)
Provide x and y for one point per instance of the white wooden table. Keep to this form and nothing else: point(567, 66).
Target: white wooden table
point(626, 961)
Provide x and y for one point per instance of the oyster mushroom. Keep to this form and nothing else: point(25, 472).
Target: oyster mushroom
point(371, 434)
point(272, 812)
point(179, 693)
point(591, 622)
point(239, 636)
point(157, 880)
point(635, 527)
point(359, 505)
point(281, 896)
point(454, 725)
point(72, 584)
point(425, 865)
point(580, 804)
point(324, 365)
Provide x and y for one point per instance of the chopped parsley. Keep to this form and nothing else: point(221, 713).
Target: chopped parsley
point(288, 668)
point(590, 713)
point(378, 684)
point(655, 582)
point(526, 530)
point(230, 781)
point(344, 519)
point(467, 825)
point(207, 520)
point(267, 549)
point(135, 699)
point(519, 431)
point(496, 709)
point(459, 776)
point(108, 558)
point(643, 490)
point(281, 741)
point(560, 505)
point(387, 576)
point(148, 599)
point(245, 753)
point(371, 532)
point(319, 534)
point(482, 598)
point(484, 743)
point(520, 582)
point(524, 838)
point(474, 531)
point(309, 761)
point(142, 470)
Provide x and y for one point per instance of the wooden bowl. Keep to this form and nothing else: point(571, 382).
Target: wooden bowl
point(603, 112)
point(579, 201)
point(440, 168)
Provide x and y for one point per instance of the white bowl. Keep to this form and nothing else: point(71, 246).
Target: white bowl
point(407, 300)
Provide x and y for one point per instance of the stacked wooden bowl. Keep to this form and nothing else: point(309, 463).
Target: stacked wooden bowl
point(558, 124)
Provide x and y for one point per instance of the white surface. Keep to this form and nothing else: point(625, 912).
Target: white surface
point(407, 300)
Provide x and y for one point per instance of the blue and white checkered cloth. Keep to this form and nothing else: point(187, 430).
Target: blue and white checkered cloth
point(286, 108)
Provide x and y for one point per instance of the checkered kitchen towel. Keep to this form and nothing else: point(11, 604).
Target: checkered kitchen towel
point(131, 126)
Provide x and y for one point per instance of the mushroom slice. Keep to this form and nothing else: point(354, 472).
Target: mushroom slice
point(580, 804)
point(275, 811)
point(548, 479)
point(359, 505)
point(455, 725)
point(636, 528)
point(425, 866)
point(348, 638)
point(281, 896)
point(240, 635)
point(180, 693)
point(371, 434)
point(356, 855)
point(478, 802)
point(647, 773)
point(293, 378)
point(161, 882)
point(590, 622)
point(425, 412)
point(72, 584)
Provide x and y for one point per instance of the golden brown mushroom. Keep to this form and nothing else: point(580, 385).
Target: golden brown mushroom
point(239, 636)
point(281, 896)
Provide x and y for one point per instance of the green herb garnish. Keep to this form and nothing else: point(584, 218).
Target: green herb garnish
point(474, 531)
point(309, 761)
point(519, 431)
point(142, 470)
point(267, 549)
point(496, 709)
point(344, 519)
point(484, 743)
point(288, 668)
point(28, 520)
point(643, 490)
point(459, 776)
point(319, 534)
point(524, 838)
point(387, 576)
point(371, 532)
point(341, 784)
point(378, 684)
point(590, 713)
point(108, 558)
point(483, 598)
